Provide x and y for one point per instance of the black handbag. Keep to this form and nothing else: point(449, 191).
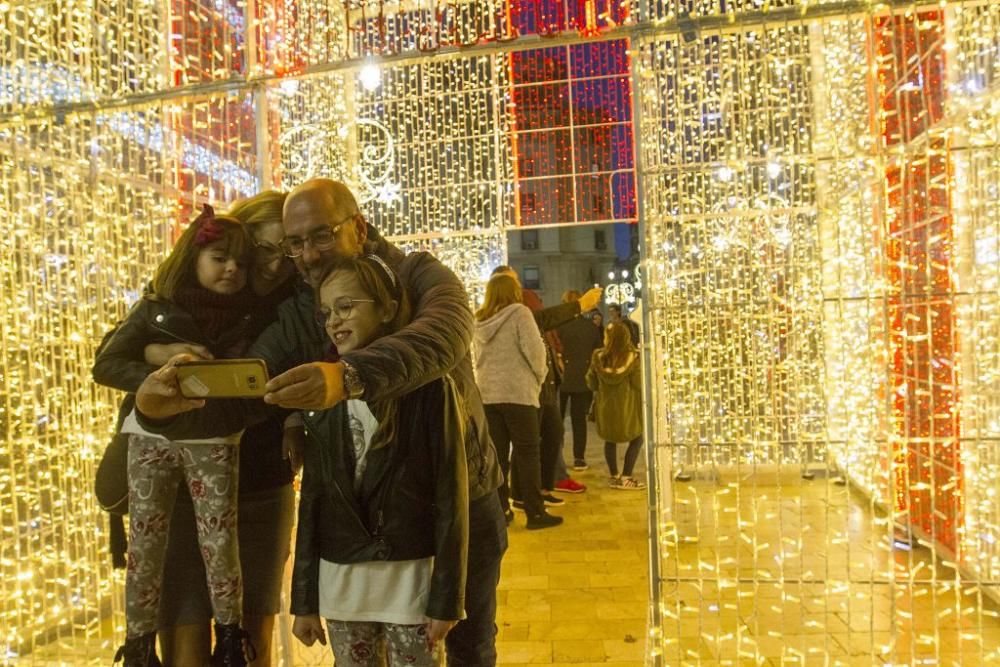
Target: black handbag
point(111, 480)
point(111, 485)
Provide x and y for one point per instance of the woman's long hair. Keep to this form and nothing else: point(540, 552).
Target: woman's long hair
point(380, 283)
point(617, 346)
point(179, 268)
point(501, 291)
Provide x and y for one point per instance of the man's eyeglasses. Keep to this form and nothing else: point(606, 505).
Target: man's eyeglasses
point(323, 238)
point(342, 308)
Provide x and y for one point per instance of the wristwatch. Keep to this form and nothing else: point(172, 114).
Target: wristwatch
point(353, 386)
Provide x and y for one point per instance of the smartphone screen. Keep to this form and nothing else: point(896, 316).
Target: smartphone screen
point(222, 378)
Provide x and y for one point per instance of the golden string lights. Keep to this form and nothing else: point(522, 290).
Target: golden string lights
point(79, 242)
point(819, 199)
point(863, 542)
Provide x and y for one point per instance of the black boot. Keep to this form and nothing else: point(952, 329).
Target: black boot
point(232, 646)
point(543, 520)
point(139, 651)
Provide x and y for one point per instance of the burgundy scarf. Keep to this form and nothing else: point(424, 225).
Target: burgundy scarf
point(215, 314)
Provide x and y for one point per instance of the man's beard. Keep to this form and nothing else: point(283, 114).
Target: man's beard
point(311, 273)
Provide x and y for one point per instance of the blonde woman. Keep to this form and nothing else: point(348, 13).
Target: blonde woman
point(510, 368)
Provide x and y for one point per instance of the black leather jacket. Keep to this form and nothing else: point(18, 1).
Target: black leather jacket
point(413, 502)
point(120, 362)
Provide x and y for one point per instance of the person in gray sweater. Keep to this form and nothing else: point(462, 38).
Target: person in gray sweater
point(510, 368)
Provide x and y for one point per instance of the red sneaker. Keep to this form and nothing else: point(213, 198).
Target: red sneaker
point(570, 485)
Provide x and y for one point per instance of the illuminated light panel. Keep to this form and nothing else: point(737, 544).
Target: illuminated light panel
point(770, 206)
point(572, 139)
point(82, 242)
point(879, 515)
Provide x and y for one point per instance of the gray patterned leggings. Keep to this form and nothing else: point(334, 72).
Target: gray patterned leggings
point(358, 644)
point(155, 468)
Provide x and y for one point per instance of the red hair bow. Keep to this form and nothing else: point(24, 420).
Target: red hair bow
point(209, 230)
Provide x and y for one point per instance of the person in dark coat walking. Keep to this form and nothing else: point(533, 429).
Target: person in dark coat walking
point(579, 339)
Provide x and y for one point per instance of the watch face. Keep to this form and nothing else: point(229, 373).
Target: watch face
point(352, 382)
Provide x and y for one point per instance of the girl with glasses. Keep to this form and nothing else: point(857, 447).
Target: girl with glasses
point(380, 551)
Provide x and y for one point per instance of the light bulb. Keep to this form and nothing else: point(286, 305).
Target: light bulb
point(370, 77)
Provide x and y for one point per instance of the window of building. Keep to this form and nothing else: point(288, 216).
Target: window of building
point(531, 277)
point(600, 240)
point(529, 239)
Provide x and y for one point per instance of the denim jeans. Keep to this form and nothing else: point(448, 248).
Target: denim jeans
point(472, 643)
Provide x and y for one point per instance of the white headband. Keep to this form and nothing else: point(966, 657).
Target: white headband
point(385, 267)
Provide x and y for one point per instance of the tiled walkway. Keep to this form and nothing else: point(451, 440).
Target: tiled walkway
point(577, 594)
point(776, 570)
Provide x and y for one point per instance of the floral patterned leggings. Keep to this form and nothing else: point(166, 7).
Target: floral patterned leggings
point(155, 469)
point(356, 644)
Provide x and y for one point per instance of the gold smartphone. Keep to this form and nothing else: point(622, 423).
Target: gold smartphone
point(222, 378)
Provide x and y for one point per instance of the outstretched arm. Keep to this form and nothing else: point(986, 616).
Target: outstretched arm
point(427, 348)
point(433, 343)
point(555, 316)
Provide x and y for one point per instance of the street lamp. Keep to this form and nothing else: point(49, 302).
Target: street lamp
point(623, 287)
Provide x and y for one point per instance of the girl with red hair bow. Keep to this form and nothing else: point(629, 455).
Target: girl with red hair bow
point(199, 296)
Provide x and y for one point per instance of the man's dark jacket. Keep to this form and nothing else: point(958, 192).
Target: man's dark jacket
point(579, 338)
point(547, 320)
point(435, 343)
point(412, 503)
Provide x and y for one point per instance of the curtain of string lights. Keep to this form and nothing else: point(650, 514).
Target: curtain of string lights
point(817, 189)
point(821, 246)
